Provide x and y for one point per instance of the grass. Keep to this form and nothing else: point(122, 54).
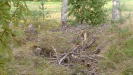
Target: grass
point(121, 59)
point(128, 48)
point(51, 13)
point(120, 53)
point(53, 8)
point(119, 56)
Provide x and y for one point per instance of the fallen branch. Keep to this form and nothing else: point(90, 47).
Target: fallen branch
point(56, 54)
point(64, 57)
point(88, 45)
point(75, 50)
point(67, 54)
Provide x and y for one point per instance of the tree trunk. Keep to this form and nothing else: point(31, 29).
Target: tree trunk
point(64, 13)
point(116, 10)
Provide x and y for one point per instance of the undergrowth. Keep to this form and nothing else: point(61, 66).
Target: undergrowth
point(118, 58)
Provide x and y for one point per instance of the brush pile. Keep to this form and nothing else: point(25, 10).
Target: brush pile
point(72, 48)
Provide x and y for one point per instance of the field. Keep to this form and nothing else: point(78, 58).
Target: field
point(52, 8)
point(116, 60)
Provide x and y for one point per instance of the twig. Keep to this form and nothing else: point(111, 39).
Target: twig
point(88, 45)
point(67, 54)
point(74, 50)
point(56, 54)
point(60, 61)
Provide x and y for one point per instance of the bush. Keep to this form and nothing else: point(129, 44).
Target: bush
point(88, 11)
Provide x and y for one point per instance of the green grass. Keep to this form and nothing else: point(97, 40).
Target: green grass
point(128, 48)
point(51, 6)
point(119, 56)
point(121, 52)
point(119, 59)
point(52, 10)
point(128, 71)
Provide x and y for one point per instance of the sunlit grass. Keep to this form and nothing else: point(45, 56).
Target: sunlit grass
point(52, 8)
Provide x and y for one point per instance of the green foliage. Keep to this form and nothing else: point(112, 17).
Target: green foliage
point(89, 11)
point(19, 11)
point(6, 33)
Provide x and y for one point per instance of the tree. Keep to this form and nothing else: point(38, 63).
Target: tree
point(88, 11)
point(6, 33)
point(116, 10)
point(64, 13)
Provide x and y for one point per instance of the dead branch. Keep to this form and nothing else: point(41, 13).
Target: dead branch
point(75, 50)
point(60, 61)
point(56, 54)
point(88, 45)
point(67, 54)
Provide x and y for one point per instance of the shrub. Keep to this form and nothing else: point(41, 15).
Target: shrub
point(88, 11)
